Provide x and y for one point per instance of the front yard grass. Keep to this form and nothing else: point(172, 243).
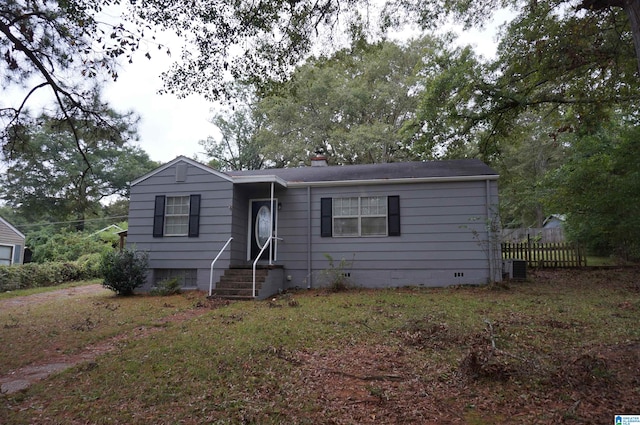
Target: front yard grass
point(67, 324)
point(561, 347)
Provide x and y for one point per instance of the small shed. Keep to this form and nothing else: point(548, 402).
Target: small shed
point(554, 221)
point(11, 244)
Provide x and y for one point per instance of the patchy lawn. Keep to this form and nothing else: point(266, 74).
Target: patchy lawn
point(563, 347)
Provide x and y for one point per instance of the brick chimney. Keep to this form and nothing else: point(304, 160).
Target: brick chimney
point(319, 159)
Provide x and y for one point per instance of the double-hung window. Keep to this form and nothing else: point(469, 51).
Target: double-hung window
point(176, 218)
point(360, 216)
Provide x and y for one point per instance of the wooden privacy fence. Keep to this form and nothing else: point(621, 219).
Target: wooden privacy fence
point(537, 234)
point(537, 254)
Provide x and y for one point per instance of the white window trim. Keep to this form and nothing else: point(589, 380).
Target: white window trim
point(359, 217)
point(167, 215)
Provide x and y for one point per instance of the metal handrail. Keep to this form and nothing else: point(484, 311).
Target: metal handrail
point(214, 261)
point(255, 262)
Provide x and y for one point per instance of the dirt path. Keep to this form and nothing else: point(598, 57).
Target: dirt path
point(22, 378)
point(53, 295)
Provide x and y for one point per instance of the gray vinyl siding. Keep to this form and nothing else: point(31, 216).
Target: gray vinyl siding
point(8, 237)
point(182, 252)
point(443, 228)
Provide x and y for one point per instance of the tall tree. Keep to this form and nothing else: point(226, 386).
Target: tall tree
point(430, 14)
point(599, 188)
point(574, 67)
point(352, 105)
point(449, 83)
point(62, 47)
point(536, 150)
point(47, 178)
point(258, 42)
point(237, 148)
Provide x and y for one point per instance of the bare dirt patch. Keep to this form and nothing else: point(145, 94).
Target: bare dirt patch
point(76, 291)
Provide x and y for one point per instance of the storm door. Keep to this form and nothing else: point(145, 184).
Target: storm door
point(261, 227)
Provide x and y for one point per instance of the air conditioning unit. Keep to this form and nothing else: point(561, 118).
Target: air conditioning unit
point(514, 269)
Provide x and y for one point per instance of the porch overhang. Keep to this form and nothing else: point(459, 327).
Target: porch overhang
point(270, 178)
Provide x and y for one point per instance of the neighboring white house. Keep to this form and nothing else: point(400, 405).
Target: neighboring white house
point(11, 244)
point(394, 224)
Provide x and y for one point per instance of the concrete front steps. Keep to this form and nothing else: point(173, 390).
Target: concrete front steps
point(237, 283)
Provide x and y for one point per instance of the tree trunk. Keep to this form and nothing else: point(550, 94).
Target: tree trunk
point(632, 7)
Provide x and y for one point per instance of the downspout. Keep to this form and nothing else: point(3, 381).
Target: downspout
point(272, 247)
point(489, 226)
point(309, 278)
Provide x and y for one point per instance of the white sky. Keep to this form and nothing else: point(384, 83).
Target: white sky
point(169, 126)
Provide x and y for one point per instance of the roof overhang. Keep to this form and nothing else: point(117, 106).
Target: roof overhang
point(269, 178)
point(10, 226)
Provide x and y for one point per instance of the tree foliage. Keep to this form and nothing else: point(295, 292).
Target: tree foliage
point(48, 244)
point(261, 42)
point(249, 42)
point(449, 82)
point(565, 66)
point(535, 150)
point(65, 48)
point(47, 178)
point(352, 105)
point(237, 148)
point(599, 188)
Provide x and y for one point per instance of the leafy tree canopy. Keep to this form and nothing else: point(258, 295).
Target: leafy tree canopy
point(237, 148)
point(44, 42)
point(599, 188)
point(352, 105)
point(568, 67)
point(46, 177)
point(64, 48)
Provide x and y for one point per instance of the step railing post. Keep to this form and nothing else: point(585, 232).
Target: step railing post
point(214, 262)
point(255, 263)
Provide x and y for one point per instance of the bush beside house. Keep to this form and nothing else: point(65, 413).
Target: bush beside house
point(34, 275)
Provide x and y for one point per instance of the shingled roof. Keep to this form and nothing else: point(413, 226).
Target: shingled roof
point(463, 169)
point(386, 171)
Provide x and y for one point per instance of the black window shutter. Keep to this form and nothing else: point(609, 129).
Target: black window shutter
point(194, 216)
point(325, 218)
point(393, 215)
point(158, 217)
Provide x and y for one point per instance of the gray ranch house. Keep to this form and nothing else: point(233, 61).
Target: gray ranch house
point(11, 244)
point(254, 233)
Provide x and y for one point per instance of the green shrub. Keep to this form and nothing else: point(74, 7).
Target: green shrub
point(48, 246)
point(90, 265)
point(124, 271)
point(336, 275)
point(168, 287)
point(33, 275)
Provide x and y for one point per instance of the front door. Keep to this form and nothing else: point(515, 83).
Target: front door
point(259, 231)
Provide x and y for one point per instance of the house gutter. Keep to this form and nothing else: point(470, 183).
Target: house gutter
point(371, 182)
point(490, 237)
point(309, 277)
